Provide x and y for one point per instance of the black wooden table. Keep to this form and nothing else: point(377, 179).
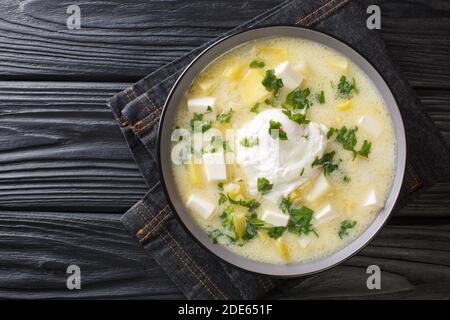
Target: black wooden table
point(66, 174)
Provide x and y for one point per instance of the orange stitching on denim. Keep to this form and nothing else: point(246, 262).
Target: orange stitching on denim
point(127, 93)
point(328, 12)
point(153, 219)
point(160, 221)
point(152, 118)
point(315, 11)
point(198, 267)
point(150, 100)
point(177, 254)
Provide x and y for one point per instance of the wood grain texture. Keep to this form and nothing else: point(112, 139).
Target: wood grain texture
point(37, 248)
point(125, 42)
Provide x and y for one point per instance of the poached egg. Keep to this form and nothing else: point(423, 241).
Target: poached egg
point(285, 163)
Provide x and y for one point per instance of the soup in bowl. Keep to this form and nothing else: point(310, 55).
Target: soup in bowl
point(284, 152)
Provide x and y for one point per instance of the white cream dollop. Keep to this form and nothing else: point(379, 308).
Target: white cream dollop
point(281, 162)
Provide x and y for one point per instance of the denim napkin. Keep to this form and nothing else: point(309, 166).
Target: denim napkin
point(197, 273)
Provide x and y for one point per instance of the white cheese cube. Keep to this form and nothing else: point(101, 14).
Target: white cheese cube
point(200, 105)
point(370, 125)
point(291, 77)
point(325, 215)
point(276, 219)
point(320, 188)
point(200, 206)
point(371, 199)
point(214, 166)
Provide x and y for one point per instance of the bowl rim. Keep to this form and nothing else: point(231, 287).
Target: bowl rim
point(360, 241)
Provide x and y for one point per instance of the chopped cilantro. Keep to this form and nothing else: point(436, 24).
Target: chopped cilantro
point(296, 117)
point(326, 162)
point(250, 204)
point(197, 122)
point(225, 116)
point(274, 128)
point(222, 199)
point(346, 88)
point(320, 97)
point(302, 172)
point(257, 63)
point(275, 232)
point(299, 99)
point(300, 217)
point(365, 149)
point(255, 108)
point(271, 82)
point(345, 225)
point(227, 218)
point(264, 185)
point(249, 142)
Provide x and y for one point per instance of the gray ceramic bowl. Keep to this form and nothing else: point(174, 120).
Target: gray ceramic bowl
point(164, 146)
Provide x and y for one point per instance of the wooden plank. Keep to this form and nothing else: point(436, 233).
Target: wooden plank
point(37, 248)
point(126, 42)
point(62, 150)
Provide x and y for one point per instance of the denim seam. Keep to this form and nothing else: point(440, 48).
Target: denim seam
point(300, 21)
point(328, 12)
point(195, 264)
point(165, 214)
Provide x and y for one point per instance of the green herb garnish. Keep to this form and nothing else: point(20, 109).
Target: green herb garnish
point(275, 232)
point(346, 89)
point(271, 82)
point(299, 99)
point(274, 128)
point(365, 149)
point(264, 185)
point(197, 122)
point(255, 108)
point(302, 172)
point(300, 217)
point(225, 116)
point(296, 117)
point(320, 97)
point(345, 225)
point(222, 199)
point(326, 162)
point(249, 142)
point(347, 137)
point(257, 63)
point(250, 204)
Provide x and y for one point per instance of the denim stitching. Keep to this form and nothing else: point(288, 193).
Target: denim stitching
point(180, 258)
point(328, 12)
point(300, 21)
point(195, 264)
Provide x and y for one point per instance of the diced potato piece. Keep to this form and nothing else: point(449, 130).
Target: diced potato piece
point(370, 125)
point(265, 239)
point(201, 206)
point(339, 64)
point(320, 188)
point(345, 105)
point(272, 56)
point(282, 248)
point(240, 224)
point(195, 174)
point(233, 72)
point(252, 89)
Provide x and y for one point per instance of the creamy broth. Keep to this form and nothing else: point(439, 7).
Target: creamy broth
point(350, 185)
